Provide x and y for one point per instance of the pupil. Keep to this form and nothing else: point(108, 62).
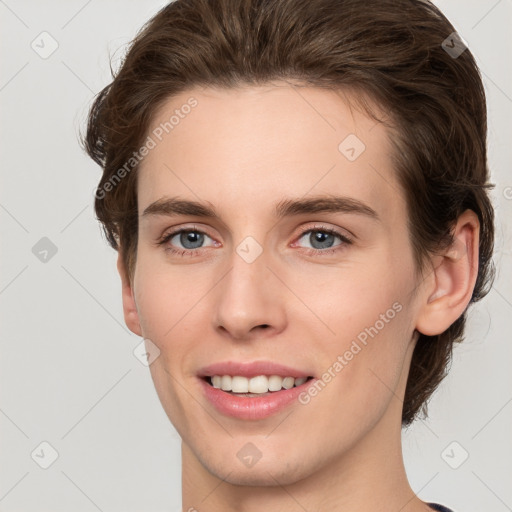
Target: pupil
point(191, 237)
point(320, 237)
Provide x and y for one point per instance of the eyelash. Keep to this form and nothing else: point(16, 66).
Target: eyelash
point(312, 252)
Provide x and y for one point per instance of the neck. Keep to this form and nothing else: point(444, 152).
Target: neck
point(370, 476)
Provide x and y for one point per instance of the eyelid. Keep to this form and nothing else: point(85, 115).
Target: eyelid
point(319, 226)
point(171, 232)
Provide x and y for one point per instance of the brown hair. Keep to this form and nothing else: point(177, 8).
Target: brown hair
point(391, 51)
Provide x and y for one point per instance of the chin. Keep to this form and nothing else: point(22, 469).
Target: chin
point(262, 474)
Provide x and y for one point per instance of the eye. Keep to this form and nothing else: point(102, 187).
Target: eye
point(191, 240)
point(322, 240)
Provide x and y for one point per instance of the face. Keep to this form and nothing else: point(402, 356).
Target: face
point(274, 275)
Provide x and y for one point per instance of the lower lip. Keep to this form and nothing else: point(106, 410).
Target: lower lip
point(256, 408)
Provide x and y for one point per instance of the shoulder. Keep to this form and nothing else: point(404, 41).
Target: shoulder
point(439, 508)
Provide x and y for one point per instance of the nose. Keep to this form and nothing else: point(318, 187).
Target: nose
point(249, 300)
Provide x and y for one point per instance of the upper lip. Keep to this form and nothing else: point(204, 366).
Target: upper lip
point(251, 369)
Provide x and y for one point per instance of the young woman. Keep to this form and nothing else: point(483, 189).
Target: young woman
point(298, 193)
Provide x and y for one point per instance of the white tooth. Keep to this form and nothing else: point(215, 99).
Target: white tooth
point(226, 383)
point(240, 384)
point(300, 380)
point(288, 382)
point(275, 383)
point(258, 384)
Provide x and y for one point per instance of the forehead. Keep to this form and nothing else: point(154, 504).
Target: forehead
point(251, 146)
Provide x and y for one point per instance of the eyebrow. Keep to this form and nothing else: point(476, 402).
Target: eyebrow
point(285, 208)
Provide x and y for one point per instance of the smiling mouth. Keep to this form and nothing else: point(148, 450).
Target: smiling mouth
point(260, 385)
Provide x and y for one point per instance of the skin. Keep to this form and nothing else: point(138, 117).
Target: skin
point(243, 150)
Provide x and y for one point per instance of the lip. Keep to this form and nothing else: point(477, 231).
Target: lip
point(251, 369)
point(258, 408)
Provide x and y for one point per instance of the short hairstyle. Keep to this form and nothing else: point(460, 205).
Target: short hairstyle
point(392, 52)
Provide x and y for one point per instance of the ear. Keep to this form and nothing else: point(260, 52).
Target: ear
point(131, 315)
point(454, 278)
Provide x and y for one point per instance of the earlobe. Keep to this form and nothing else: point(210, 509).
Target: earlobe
point(131, 314)
point(454, 277)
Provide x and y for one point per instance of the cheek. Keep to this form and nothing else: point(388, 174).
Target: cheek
point(369, 319)
point(352, 298)
point(166, 304)
point(165, 297)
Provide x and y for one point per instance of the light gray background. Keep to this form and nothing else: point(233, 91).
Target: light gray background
point(68, 373)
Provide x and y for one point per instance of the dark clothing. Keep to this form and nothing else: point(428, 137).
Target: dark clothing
point(439, 508)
